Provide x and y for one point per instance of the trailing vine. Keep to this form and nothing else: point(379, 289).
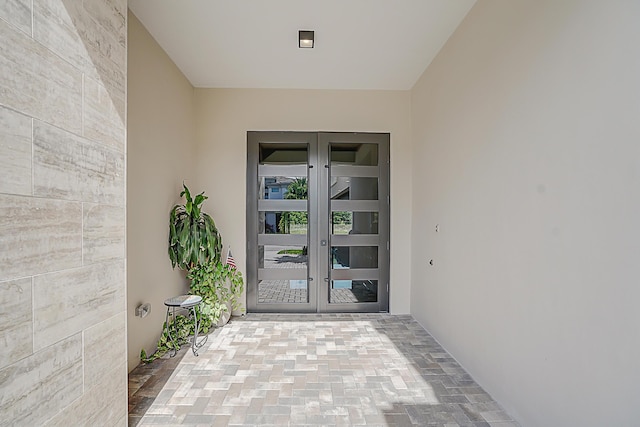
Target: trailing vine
point(195, 245)
point(220, 287)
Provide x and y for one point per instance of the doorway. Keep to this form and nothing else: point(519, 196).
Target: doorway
point(317, 222)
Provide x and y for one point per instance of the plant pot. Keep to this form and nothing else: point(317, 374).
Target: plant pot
point(225, 316)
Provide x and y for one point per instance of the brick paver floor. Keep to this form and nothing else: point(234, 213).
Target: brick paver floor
point(328, 369)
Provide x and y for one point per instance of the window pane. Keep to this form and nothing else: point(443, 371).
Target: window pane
point(353, 291)
point(354, 257)
point(272, 256)
point(354, 188)
point(283, 154)
point(282, 223)
point(282, 291)
point(354, 154)
point(343, 223)
point(282, 188)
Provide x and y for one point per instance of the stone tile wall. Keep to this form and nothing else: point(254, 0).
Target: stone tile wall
point(62, 212)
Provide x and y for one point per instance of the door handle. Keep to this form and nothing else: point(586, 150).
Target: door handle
point(326, 279)
point(310, 279)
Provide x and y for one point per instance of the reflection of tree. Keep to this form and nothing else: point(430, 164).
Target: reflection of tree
point(297, 190)
point(342, 217)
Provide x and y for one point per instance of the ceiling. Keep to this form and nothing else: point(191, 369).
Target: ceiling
point(359, 44)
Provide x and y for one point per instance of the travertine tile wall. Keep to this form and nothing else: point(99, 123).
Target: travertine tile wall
point(62, 212)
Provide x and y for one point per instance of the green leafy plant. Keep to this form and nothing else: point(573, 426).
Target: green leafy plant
point(184, 327)
point(220, 287)
point(193, 236)
point(195, 245)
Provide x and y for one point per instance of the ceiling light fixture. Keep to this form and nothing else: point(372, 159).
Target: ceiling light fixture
point(305, 39)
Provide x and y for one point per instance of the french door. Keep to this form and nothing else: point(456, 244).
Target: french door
point(317, 222)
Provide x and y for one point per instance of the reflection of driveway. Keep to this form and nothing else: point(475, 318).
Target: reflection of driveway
point(282, 291)
point(274, 260)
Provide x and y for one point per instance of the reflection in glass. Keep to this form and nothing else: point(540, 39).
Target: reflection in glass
point(343, 223)
point(353, 291)
point(283, 154)
point(354, 257)
point(276, 256)
point(282, 291)
point(282, 188)
point(353, 188)
point(282, 223)
point(354, 154)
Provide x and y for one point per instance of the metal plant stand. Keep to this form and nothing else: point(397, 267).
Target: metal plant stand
point(189, 303)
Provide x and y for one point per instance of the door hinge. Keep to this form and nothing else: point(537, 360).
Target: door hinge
point(388, 246)
point(387, 287)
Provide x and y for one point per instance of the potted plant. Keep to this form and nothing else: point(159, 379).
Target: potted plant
point(220, 286)
point(193, 236)
point(195, 246)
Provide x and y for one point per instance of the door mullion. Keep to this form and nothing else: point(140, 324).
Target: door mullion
point(324, 243)
point(312, 198)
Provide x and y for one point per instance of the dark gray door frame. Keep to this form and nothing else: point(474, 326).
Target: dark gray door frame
point(319, 171)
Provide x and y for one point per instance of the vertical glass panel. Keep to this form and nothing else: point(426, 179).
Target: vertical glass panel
point(354, 257)
point(282, 223)
point(353, 291)
point(353, 188)
point(355, 154)
point(275, 256)
point(282, 291)
point(283, 154)
point(343, 223)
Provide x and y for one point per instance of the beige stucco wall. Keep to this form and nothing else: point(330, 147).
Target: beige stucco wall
point(161, 150)
point(527, 130)
point(62, 212)
point(223, 117)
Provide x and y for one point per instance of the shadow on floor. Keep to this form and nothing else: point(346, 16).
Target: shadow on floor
point(458, 399)
point(426, 387)
point(432, 415)
point(146, 382)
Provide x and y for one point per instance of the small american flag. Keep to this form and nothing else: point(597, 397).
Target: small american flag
point(230, 261)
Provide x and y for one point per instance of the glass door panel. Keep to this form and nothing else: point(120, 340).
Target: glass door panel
point(350, 223)
point(317, 222)
point(353, 153)
point(279, 213)
point(354, 188)
point(283, 222)
point(350, 257)
point(357, 189)
point(353, 291)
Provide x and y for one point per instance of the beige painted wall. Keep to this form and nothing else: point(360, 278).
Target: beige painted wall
point(527, 131)
point(225, 115)
point(63, 146)
point(161, 151)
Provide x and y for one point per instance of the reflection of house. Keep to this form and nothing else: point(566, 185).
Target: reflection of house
point(276, 187)
point(340, 187)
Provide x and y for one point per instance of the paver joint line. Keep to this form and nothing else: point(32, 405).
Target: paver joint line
point(326, 369)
